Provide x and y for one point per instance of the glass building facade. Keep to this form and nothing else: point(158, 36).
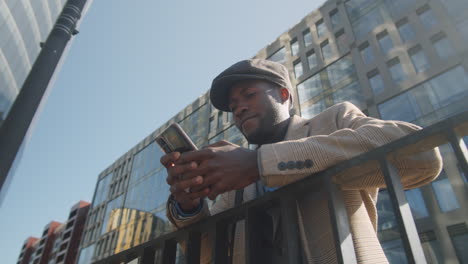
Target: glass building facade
point(394, 59)
point(23, 26)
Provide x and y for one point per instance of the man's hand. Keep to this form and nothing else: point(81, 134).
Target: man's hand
point(179, 180)
point(224, 166)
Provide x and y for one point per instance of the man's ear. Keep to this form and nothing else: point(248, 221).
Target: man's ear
point(284, 94)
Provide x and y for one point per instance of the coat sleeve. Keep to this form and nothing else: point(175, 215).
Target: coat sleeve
point(352, 133)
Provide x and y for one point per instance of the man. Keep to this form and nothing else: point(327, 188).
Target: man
point(258, 93)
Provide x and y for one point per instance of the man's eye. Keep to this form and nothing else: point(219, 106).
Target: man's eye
point(248, 95)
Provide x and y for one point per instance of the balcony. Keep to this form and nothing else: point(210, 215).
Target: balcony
point(450, 131)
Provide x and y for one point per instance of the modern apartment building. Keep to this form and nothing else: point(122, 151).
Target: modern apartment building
point(394, 59)
point(59, 242)
point(27, 53)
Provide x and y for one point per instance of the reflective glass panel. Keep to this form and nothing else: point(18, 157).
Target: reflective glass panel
point(102, 189)
point(397, 72)
point(335, 19)
point(376, 83)
point(460, 242)
point(233, 135)
point(366, 54)
point(279, 56)
point(394, 251)
point(112, 216)
point(307, 38)
point(312, 60)
point(321, 28)
point(145, 162)
point(298, 70)
point(428, 18)
point(397, 7)
point(386, 43)
point(367, 23)
point(352, 93)
point(294, 47)
point(433, 252)
point(406, 32)
point(408, 109)
point(386, 218)
point(312, 110)
point(443, 48)
point(148, 194)
point(86, 254)
point(462, 28)
point(444, 193)
point(420, 62)
point(309, 88)
point(340, 70)
point(417, 204)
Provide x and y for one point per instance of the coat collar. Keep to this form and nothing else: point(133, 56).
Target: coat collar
point(298, 128)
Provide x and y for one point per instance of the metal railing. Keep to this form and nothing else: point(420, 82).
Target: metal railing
point(449, 131)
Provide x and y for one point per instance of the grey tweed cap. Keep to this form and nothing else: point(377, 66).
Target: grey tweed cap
point(253, 69)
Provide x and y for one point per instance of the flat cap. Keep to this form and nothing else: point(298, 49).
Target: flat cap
point(253, 69)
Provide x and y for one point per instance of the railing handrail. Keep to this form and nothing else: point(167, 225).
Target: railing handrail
point(419, 141)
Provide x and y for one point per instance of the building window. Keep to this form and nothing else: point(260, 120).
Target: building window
point(309, 88)
point(335, 18)
point(427, 17)
point(442, 46)
point(311, 110)
point(321, 28)
point(294, 47)
point(396, 70)
point(307, 38)
point(340, 37)
point(459, 235)
point(419, 59)
point(220, 119)
point(366, 53)
point(213, 124)
point(394, 251)
point(312, 60)
point(298, 70)
point(279, 56)
point(367, 22)
point(376, 82)
point(444, 193)
point(405, 30)
point(352, 93)
point(385, 42)
point(416, 203)
point(326, 51)
point(340, 70)
point(431, 247)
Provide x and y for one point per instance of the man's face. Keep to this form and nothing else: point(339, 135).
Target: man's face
point(257, 109)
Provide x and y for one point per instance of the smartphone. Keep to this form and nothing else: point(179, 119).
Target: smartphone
point(174, 139)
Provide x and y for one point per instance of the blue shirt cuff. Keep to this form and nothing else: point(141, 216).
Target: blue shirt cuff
point(180, 212)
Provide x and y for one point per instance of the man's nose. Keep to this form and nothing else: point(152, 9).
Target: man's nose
point(240, 109)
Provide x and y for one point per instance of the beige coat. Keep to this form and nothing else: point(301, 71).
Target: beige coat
point(337, 134)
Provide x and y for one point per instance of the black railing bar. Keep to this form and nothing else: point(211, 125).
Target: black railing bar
point(148, 257)
point(253, 249)
point(310, 183)
point(342, 235)
point(221, 242)
point(193, 247)
point(460, 150)
point(408, 232)
point(290, 229)
point(169, 253)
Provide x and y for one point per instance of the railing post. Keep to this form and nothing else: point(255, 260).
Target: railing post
point(221, 242)
point(169, 252)
point(290, 229)
point(193, 247)
point(339, 218)
point(149, 254)
point(253, 242)
point(402, 211)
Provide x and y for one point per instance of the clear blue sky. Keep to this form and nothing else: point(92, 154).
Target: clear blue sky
point(133, 66)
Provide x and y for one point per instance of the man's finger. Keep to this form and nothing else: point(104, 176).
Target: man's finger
point(181, 185)
point(197, 155)
point(169, 159)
